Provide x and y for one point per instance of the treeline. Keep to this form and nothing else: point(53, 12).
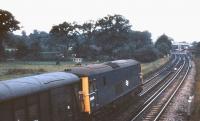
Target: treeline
point(108, 38)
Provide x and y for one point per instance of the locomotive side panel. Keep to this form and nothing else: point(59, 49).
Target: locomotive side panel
point(114, 84)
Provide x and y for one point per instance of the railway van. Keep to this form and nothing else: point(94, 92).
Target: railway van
point(45, 97)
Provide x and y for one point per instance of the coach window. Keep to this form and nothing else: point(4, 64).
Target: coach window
point(93, 85)
point(20, 113)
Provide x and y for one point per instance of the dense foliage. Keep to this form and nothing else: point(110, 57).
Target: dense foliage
point(108, 38)
point(164, 44)
point(7, 24)
point(146, 54)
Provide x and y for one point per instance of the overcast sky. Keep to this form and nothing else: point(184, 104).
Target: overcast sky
point(179, 19)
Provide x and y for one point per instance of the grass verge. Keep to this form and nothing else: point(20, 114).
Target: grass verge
point(152, 66)
point(9, 70)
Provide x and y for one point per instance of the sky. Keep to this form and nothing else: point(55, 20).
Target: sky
point(179, 19)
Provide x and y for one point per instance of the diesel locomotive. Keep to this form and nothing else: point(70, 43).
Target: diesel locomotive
point(76, 94)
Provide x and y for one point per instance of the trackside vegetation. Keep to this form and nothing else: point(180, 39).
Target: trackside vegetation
point(152, 66)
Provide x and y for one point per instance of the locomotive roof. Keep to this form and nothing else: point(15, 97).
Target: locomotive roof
point(103, 67)
point(27, 85)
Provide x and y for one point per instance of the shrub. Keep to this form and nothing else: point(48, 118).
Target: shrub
point(24, 71)
point(146, 54)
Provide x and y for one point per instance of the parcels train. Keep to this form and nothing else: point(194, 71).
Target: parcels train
point(75, 94)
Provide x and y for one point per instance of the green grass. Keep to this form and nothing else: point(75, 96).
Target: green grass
point(9, 70)
point(30, 68)
point(149, 67)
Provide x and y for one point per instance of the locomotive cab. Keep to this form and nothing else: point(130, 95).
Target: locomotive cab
point(103, 84)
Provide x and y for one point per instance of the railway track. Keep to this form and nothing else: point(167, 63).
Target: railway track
point(160, 76)
point(160, 116)
point(161, 70)
point(152, 84)
point(153, 108)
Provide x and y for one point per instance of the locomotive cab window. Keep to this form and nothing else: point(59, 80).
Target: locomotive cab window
point(93, 86)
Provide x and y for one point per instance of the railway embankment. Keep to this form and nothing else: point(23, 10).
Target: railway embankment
point(178, 109)
point(196, 113)
point(148, 68)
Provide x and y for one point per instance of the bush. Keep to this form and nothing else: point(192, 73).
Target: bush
point(146, 54)
point(22, 50)
point(24, 71)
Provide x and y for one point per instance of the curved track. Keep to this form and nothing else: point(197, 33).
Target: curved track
point(154, 106)
point(152, 86)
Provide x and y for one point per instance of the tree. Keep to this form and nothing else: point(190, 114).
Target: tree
point(64, 33)
point(42, 38)
point(24, 33)
point(146, 54)
point(138, 39)
point(164, 44)
point(22, 50)
point(35, 50)
point(83, 48)
point(111, 33)
point(7, 24)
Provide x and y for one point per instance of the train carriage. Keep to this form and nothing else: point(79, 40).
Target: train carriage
point(45, 97)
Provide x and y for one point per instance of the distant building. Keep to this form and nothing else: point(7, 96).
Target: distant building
point(180, 46)
point(10, 53)
point(10, 49)
point(78, 60)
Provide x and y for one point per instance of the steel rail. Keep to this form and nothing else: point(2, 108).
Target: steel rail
point(158, 93)
point(171, 97)
point(152, 86)
point(159, 72)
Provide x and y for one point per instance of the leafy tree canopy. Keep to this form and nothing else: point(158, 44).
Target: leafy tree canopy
point(7, 22)
point(164, 44)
